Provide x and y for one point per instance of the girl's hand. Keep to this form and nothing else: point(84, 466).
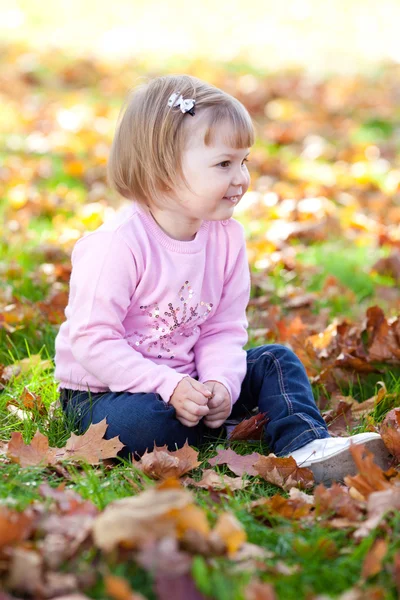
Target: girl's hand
point(219, 404)
point(190, 400)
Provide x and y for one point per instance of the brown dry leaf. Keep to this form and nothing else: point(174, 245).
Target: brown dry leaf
point(372, 564)
point(33, 454)
point(256, 590)
point(336, 501)
point(249, 429)
point(119, 589)
point(15, 526)
point(162, 463)
point(370, 478)
point(284, 472)
point(237, 463)
point(288, 508)
point(390, 432)
point(217, 481)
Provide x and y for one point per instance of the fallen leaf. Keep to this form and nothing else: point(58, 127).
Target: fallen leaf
point(284, 472)
point(136, 519)
point(390, 432)
point(15, 526)
point(370, 477)
point(217, 481)
point(162, 463)
point(249, 429)
point(230, 531)
point(372, 564)
point(239, 464)
point(91, 447)
point(378, 504)
point(336, 501)
point(36, 453)
point(287, 508)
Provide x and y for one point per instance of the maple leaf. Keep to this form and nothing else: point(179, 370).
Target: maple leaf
point(33, 454)
point(284, 472)
point(90, 447)
point(239, 464)
point(162, 463)
point(250, 429)
point(390, 432)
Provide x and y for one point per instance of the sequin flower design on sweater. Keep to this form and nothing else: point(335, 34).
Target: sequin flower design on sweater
point(167, 324)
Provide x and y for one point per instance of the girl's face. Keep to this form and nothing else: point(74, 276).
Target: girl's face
point(217, 175)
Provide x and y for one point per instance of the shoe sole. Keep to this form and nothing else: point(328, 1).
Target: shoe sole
point(336, 467)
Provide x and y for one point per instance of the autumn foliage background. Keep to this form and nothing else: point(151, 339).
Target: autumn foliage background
point(322, 219)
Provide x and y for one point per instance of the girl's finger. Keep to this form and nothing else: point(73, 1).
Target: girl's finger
point(214, 402)
point(216, 416)
point(189, 417)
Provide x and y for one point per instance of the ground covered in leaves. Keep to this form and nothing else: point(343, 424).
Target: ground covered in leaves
point(228, 520)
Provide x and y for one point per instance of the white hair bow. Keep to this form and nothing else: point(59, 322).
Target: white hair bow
point(186, 105)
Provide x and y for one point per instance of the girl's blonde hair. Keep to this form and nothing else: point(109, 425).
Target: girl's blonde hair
point(146, 152)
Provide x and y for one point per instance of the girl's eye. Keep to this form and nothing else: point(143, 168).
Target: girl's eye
point(228, 161)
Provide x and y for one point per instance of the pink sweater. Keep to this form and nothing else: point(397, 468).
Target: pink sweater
point(146, 310)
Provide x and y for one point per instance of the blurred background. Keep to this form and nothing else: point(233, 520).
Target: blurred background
point(321, 81)
point(333, 35)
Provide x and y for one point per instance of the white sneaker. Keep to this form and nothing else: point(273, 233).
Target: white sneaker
point(330, 458)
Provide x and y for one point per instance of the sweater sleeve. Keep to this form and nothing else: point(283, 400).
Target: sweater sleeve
point(219, 350)
point(103, 282)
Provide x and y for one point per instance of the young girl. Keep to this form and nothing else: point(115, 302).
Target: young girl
point(156, 319)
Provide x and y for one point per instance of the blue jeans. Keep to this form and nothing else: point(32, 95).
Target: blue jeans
point(275, 382)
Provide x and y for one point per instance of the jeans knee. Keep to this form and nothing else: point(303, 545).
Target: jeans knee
point(279, 351)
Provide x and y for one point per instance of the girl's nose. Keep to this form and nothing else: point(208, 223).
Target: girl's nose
point(240, 177)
